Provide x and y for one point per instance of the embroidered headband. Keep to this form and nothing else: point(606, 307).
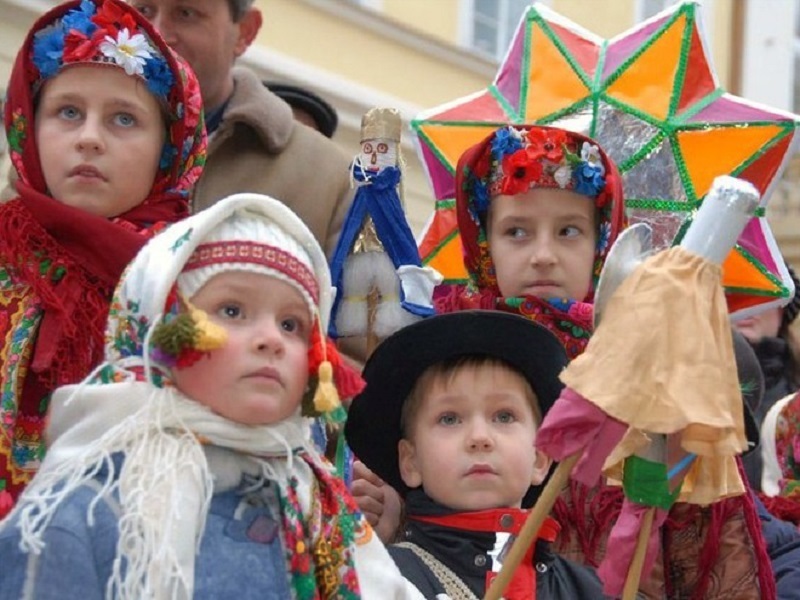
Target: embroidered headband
point(261, 258)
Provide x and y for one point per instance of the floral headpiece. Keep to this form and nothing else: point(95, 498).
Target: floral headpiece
point(520, 159)
point(110, 32)
point(107, 34)
point(514, 159)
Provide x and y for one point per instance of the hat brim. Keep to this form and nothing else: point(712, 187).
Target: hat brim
point(373, 423)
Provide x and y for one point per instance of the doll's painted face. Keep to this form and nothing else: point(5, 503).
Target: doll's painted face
point(100, 134)
point(378, 153)
point(260, 375)
point(542, 243)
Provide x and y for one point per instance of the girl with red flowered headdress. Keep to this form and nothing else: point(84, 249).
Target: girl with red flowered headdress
point(106, 135)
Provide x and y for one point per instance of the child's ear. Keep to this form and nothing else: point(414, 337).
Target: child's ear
point(408, 464)
point(541, 467)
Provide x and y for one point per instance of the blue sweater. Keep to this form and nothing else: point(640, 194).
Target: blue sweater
point(241, 554)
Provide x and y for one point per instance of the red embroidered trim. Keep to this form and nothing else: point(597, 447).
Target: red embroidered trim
point(257, 254)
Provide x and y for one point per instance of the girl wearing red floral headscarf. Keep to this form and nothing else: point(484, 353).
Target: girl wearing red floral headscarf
point(538, 208)
point(105, 132)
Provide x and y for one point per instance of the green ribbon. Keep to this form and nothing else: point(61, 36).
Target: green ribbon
point(645, 482)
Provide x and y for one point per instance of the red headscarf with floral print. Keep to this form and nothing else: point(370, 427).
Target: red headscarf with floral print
point(62, 262)
point(510, 161)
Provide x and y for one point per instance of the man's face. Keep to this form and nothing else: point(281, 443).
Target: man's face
point(203, 32)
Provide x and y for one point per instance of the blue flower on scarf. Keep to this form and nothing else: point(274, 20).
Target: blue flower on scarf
point(80, 20)
point(588, 179)
point(48, 50)
point(168, 154)
point(159, 77)
point(562, 304)
point(505, 142)
point(480, 196)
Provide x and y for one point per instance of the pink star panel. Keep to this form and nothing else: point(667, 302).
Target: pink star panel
point(651, 98)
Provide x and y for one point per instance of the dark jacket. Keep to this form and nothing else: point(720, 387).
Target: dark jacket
point(468, 554)
point(783, 545)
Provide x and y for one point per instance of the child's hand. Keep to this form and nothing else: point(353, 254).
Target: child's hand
point(378, 501)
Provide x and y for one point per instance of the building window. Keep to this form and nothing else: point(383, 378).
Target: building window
point(493, 23)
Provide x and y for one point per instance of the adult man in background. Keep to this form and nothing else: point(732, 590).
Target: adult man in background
point(255, 145)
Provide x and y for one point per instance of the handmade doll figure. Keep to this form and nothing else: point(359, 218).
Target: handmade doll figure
point(183, 467)
point(105, 132)
point(381, 285)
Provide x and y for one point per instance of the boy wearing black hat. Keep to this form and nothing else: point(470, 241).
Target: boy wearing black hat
point(449, 419)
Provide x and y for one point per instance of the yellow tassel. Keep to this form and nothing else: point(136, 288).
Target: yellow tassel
point(210, 336)
point(326, 398)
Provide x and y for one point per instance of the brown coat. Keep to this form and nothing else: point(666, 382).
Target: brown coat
point(259, 147)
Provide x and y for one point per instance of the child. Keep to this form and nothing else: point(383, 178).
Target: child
point(448, 418)
point(182, 467)
point(538, 209)
point(105, 132)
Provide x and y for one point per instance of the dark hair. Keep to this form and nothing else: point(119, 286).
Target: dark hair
point(238, 8)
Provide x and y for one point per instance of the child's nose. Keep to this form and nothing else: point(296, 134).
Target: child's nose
point(543, 251)
point(90, 137)
point(479, 436)
point(268, 337)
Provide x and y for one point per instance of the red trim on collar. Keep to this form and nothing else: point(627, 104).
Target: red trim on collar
point(509, 520)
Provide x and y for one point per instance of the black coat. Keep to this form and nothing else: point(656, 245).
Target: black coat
point(466, 553)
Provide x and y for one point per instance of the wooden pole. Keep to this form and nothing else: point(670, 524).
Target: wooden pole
point(532, 525)
point(639, 554)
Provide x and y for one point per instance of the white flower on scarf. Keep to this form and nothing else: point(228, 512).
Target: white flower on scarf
point(563, 176)
point(591, 155)
point(128, 52)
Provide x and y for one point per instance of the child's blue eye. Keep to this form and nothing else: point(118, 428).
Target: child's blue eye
point(125, 119)
point(505, 416)
point(447, 419)
point(571, 231)
point(70, 113)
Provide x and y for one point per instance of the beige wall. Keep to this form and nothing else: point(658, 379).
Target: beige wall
point(357, 53)
point(437, 18)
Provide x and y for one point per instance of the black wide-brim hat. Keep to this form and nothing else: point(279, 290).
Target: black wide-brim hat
point(373, 422)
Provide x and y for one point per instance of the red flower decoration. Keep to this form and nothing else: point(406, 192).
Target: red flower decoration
point(520, 171)
point(78, 47)
point(111, 18)
point(546, 144)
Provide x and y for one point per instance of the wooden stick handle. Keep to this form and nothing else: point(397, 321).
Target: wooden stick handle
point(532, 526)
point(639, 554)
